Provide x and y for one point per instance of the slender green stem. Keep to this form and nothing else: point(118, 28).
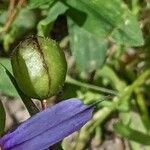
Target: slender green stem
point(103, 113)
point(143, 109)
point(90, 86)
point(106, 111)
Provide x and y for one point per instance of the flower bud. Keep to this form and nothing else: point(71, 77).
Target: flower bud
point(39, 67)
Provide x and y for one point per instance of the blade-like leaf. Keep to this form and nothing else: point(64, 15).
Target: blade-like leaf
point(6, 86)
point(2, 118)
point(31, 107)
point(132, 134)
point(49, 126)
point(45, 25)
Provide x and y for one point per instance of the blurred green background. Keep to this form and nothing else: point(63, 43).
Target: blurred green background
point(107, 46)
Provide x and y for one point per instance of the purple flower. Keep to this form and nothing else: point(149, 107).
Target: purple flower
point(48, 127)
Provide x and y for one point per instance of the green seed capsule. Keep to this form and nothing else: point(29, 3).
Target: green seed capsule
point(39, 67)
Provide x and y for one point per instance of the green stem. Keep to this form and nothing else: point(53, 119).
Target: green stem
point(103, 113)
point(2, 118)
point(106, 111)
point(143, 109)
point(90, 86)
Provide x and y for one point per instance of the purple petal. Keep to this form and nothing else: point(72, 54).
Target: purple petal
point(49, 126)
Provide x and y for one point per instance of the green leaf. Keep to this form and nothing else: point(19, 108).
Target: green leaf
point(45, 25)
point(2, 118)
point(106, 72)
point(128, 33)
point(88, 50)
point(31, 107)
point(6, 86)
point(133, 119)
point(87, 19)
point(132, 134)
point(38, 3)
point(105, 19)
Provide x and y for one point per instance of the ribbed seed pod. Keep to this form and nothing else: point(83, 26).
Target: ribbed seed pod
point(39, 67)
